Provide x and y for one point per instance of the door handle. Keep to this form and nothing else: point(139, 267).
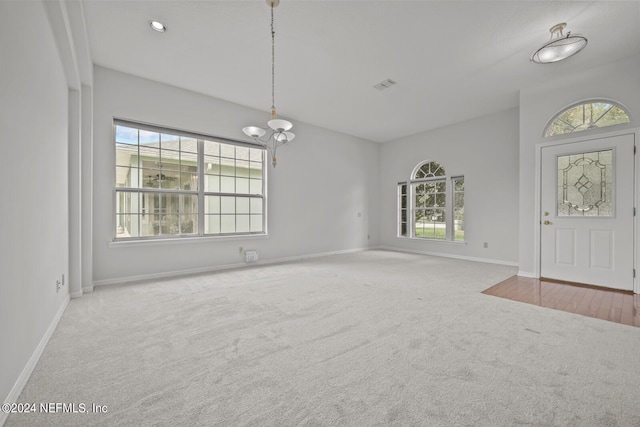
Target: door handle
point(546, 222)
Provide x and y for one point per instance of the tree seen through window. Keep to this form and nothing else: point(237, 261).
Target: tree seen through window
point(436, 204)
point(588, 115)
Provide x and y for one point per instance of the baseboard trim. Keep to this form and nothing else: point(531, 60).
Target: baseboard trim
point(167, 274)
point(527, 274)
point(33, 361)
point(445, 255)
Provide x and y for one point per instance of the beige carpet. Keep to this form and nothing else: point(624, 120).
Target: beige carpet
point(366, 339)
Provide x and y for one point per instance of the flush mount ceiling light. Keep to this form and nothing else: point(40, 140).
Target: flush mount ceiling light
point(560, 46)
point(279, 129)
point(157, 26)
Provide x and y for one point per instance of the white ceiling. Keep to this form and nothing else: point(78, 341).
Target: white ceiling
point(453, 60)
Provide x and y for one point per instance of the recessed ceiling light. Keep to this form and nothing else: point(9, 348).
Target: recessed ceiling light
point(158, 26)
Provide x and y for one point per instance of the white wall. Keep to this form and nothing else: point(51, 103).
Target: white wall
point(323, 180)
point(34, 211)
point(618, 81)
point(485, 151)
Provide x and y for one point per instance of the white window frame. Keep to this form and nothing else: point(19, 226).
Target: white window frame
point(453, 206)
point(199, 192)
point(569, 107)
point(400, 209)
point(411, 208)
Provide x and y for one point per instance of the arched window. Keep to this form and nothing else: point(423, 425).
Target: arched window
point(428, 170)
point(431, 204)
point(585, 116)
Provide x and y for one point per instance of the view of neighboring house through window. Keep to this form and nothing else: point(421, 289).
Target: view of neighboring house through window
point(431, 205)
point(178, 184)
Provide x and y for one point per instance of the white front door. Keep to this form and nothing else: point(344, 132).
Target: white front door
point(587, 209)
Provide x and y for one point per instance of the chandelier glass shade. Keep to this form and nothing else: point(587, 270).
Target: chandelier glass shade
point(278, 132)
point(560, 46)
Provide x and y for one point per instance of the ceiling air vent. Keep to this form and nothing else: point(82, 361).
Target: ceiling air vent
point(385, 84)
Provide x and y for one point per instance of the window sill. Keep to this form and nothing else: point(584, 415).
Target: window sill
point(181, 240)
point(424, 239)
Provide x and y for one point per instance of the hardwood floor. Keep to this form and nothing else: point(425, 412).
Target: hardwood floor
point(602, 303)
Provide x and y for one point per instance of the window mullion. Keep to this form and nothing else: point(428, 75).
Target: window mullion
point(412, 211)
point(200, 187)
point(448, 200)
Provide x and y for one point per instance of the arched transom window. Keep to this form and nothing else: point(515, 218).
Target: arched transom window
point(431, 204)
point(429, 170)
point(585, 116)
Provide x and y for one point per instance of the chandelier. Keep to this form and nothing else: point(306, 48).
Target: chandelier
point(560, 46)
point(278, 129)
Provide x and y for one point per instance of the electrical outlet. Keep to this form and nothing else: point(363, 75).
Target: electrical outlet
point(486, 245)
point(241, 251)
point(57, 286)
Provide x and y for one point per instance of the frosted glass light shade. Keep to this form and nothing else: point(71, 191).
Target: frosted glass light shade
point(280, 125)
point(560, 46)
point(557, 50)
point(254, 131)
point(284, 136)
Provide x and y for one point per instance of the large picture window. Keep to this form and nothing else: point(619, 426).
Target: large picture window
point(431, 204)
point(178, 184)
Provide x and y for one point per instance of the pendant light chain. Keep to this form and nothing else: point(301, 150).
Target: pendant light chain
point(279, 133)
point(273, 68)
